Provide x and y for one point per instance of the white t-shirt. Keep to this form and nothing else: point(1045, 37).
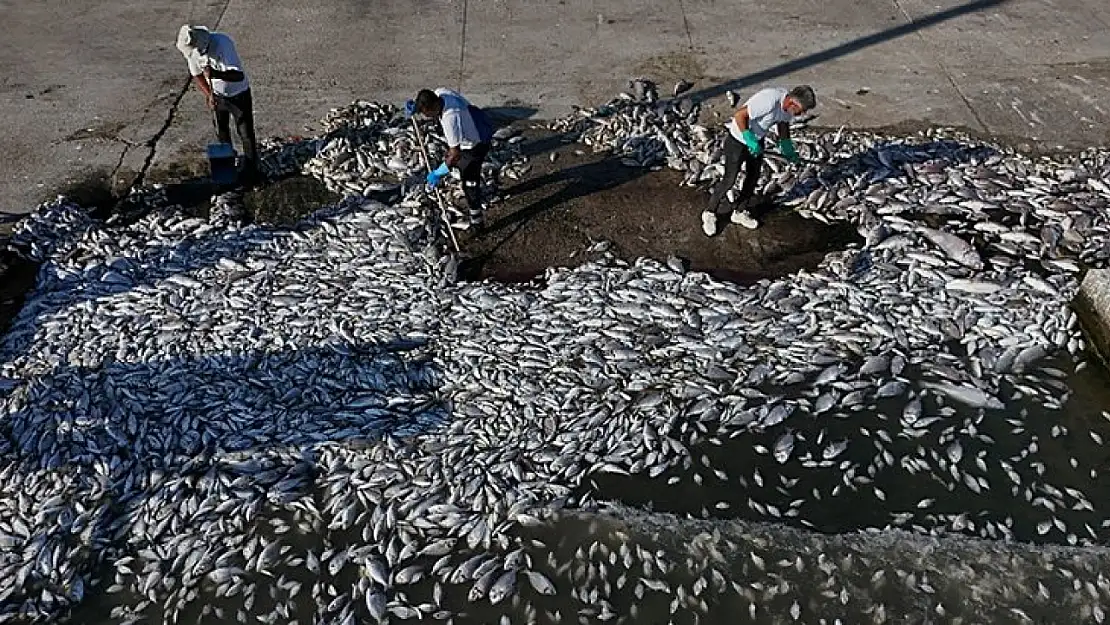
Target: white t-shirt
point(221, 55)
point(458, 126)
point(764, 111)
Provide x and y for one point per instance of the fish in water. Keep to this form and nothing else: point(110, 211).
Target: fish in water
point(192, 398)
point(970, 396)
point(784, 446)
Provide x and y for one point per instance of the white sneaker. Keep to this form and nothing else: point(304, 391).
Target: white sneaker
point(709, 223)
point(744, 219)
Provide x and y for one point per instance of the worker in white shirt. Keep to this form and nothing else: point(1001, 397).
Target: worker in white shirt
point(744, 146)
point(218, 73)
point(468, 133)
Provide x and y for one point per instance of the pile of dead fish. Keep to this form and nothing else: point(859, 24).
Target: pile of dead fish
point(770, 573)
point(214, 422)
point(371, 149)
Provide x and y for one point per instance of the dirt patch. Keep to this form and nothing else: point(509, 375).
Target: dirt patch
point(286, 201)
point(670, 67)
point(107, 130)
point(94, 190)
point(182, 169)
point(17, 277)
point(553, 215)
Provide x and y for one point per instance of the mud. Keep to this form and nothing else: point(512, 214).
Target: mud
point(286, 201)
point(558, 210)
point(93, 189)
point(17, 278)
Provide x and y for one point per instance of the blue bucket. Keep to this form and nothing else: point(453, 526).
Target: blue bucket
point(221, 163)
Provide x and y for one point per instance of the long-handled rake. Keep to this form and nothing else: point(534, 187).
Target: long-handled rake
point(439, 197)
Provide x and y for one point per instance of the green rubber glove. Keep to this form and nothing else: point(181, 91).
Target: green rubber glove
point(786, 146)
point(752, 142)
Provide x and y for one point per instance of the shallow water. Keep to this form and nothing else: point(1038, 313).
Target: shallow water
point(739, 562)
point(854, 508)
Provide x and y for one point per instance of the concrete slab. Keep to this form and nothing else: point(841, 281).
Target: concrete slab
point(84, 85)
point(1039, 64)
point(105, 77)
point(1014, 33)
point(1050, 109)
point(1092, 305)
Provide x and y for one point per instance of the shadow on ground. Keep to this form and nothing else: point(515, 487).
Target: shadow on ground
point(559, 209)
point(274, 205)
point(572, 198)
point(502, 116)
point(17, 277)
point(844, 49)
point(144, 432)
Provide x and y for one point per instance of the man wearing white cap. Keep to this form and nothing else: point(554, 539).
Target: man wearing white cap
point(218, 74)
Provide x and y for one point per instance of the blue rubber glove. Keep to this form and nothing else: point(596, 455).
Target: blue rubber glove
point(786, 146)
point(752, 142)
point(437, 174)
point(410, 108)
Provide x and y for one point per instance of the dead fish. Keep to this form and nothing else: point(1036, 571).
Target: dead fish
point(832, 450)
point(783, 447)
point(502, 587)
point(953, 246)
point(972, 286)
point(967, 395)
point(540, 583)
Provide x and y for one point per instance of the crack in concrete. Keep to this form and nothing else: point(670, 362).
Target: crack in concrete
point(152, 143)
point(967, 103)
point(462, 49)
point(126, 147)
point(944, 70)
point(686, 24)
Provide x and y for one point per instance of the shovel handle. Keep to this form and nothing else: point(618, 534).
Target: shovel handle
point(439, 198)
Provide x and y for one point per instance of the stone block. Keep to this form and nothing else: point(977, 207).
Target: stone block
point(1092, 305)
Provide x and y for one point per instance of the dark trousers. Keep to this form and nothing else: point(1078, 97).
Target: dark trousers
point(241, 109)
point(470, 167)
point(736, 153)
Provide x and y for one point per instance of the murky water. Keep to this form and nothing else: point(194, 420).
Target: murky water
point(1071, 459)
point(711, 542)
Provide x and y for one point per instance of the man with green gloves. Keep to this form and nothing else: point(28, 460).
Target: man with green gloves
point(744, 145)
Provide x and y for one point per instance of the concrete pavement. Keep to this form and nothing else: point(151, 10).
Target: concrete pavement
point(97, 88)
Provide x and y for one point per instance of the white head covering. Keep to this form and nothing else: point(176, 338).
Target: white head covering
point(192, 37)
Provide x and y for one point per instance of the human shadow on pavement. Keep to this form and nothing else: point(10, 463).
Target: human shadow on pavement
point(841, 50)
